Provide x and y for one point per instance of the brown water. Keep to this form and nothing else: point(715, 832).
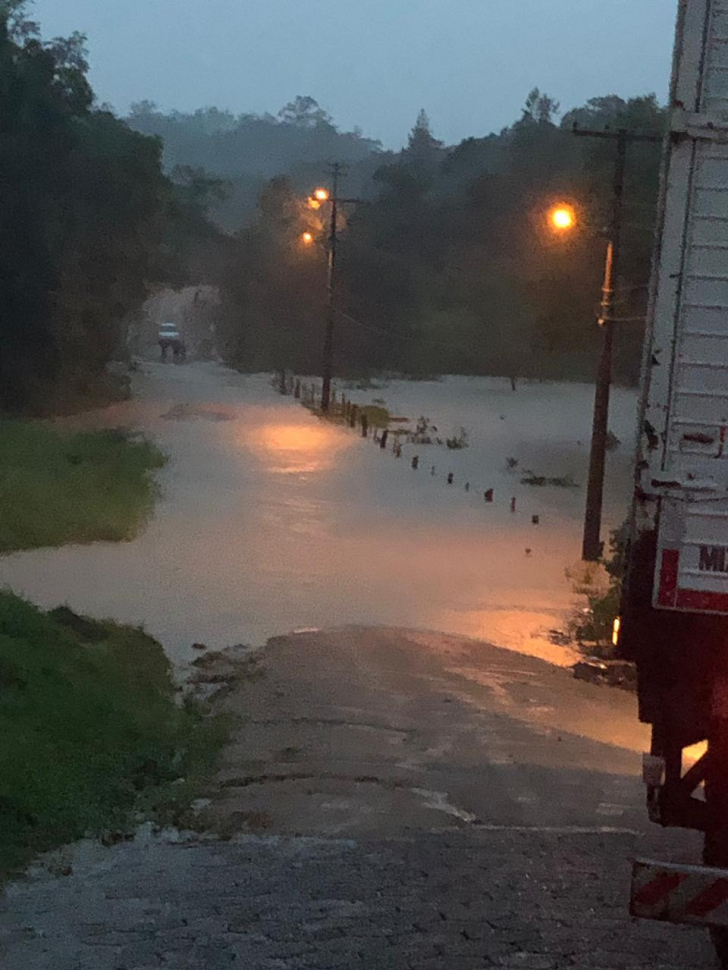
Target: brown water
point(273, 520)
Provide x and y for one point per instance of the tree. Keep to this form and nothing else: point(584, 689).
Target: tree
point(596, 113)
point(83, 232)
point(247, 150)
point(274, 286)
point(14, 13)
point(452, 262)
point(304, 112)
point(423, 149)
point(539, 108)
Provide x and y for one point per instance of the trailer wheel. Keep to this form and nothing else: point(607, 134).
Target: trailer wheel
point(716, 834)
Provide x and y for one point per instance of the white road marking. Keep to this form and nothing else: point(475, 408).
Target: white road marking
point(560, 829)
point(439, 801)
point(613, 810)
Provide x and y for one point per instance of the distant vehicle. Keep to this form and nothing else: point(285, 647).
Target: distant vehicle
point(171, 339)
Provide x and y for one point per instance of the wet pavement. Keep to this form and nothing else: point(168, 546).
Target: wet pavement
point(449, 901)
point(371, 732)
point(388, 800)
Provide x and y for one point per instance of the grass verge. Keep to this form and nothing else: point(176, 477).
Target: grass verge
point(93, 731)
point(58, 487)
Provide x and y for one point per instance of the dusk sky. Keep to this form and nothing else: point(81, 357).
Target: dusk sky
point(371, 63)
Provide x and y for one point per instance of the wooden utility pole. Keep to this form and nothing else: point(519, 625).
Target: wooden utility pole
point(328, 359)
point(592, 543)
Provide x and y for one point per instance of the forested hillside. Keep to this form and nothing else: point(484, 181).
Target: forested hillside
point(247, 150)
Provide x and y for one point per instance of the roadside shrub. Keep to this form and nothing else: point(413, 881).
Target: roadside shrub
point(90, 728)
point(593, 628)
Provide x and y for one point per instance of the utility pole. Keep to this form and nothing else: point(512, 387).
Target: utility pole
point(328, 361)
point(592, 544)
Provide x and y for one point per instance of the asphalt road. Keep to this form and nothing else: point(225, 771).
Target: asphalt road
point(385, 732)
point(388, 800)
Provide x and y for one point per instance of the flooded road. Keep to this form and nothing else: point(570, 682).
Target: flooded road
point(428, 784)
point(272, 520)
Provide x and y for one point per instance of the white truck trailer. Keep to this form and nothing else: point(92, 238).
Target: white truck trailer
point(674, 622)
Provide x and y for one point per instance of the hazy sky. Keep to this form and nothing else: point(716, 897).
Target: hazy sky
point(372, 63)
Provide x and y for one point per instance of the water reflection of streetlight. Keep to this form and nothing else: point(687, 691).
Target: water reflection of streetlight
point(295, 449)
point(307, 238)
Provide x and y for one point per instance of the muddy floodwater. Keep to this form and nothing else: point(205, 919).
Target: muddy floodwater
point(273, 520)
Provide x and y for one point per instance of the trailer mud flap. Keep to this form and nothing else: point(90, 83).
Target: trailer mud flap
point(694, 895)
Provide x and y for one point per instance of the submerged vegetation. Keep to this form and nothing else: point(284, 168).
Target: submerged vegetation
point(59, 486)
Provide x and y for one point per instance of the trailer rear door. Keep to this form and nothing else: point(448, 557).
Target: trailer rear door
point(687, 407)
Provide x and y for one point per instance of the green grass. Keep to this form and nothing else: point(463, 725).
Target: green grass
point(377, 416)
point(91, 730)
point(58, 487)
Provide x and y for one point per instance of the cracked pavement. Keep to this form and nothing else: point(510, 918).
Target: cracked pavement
point(389, 799)
point(454, 900)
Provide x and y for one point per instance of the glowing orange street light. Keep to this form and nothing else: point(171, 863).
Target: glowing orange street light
point(562, 218)
point(321, 195)
point(307, 238)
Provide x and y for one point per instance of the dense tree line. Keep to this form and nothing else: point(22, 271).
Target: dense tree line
point(447, 264)
point(451, 265)
point(247, 150)
point(89, 221)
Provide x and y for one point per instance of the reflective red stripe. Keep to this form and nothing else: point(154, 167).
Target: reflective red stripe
point(659, 888)
point(696, 599)
point(669, 577)
point(710, 899)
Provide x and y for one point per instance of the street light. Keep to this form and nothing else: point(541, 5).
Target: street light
point(320, 197)
point(307, 238)
point(562, 218)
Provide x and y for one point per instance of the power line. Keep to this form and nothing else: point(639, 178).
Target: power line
point(373, 329)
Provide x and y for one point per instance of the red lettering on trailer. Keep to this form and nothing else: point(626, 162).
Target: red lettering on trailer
point(712, 559)
point(673, 597)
